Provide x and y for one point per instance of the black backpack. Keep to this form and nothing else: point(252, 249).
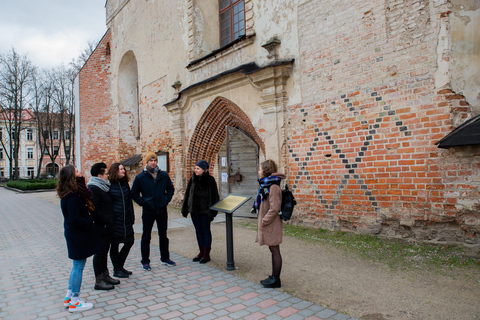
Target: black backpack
point(288, 203)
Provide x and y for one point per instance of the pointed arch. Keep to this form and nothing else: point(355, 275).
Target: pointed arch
point(210, 131)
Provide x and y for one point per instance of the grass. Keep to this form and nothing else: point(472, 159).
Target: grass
point(395, 253)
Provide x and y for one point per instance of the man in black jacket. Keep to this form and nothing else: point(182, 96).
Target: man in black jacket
point(156, 189)
point(104, 221)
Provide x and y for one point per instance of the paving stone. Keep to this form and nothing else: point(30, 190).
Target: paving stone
point(187, 291)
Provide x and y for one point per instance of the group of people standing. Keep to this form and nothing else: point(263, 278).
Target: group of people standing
point(99, 218)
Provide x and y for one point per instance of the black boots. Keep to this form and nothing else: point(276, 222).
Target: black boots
point(271, 282)
point(101, 284)
point(120, 274)
point(110, 280)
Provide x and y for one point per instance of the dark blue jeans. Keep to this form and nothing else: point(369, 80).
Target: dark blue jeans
point(162, 224)
point(202, 223)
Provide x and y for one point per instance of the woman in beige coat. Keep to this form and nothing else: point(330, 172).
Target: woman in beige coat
point(270, 226)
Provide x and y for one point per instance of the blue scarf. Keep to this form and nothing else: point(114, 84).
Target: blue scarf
point(264, 190)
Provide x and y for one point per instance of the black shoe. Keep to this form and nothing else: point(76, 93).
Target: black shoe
point(109, 279)
point(204, 260)
point(274, 283)
point(103, 285)
point(120, 274)
point(197, 258)
point(127, 272)
point(269, 279)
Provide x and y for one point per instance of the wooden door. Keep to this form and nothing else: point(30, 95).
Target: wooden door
point(238, 168)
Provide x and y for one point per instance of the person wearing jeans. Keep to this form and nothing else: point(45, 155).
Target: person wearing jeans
point(82, 238)
point(152, 189)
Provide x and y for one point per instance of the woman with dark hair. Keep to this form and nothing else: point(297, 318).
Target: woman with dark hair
point(270, 226)
point(124, 219)
point(82, 239)
point(200, 195)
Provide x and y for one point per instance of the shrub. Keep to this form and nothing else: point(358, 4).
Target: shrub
point(33, 184)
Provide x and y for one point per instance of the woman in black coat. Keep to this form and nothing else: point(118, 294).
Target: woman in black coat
point(124, 219)
point(82, 239)
point(200, 195)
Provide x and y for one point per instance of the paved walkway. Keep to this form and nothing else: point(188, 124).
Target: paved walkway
point(34, 271)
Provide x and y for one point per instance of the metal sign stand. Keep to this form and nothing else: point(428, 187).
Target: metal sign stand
point(228, 205)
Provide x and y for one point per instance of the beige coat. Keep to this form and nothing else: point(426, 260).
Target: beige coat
point(270, 225)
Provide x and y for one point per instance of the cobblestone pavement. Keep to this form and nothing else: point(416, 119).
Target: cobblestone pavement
point(34, 272)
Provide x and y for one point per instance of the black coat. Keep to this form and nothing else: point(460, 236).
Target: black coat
point(103, 214)
point(156, 193)
point(200, 195)
point(82, 239)
point(123, 212)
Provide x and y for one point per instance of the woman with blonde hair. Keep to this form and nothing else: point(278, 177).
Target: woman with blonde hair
point(270, 226)
point(82, 239)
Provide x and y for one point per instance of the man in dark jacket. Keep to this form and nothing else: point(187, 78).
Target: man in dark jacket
point(156, 189)
point(104, 221)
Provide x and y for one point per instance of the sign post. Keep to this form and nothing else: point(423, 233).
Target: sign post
point(228, 205)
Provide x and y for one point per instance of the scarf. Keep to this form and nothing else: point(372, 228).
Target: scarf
point(264, 190)
point(99, 182)
point(152, 171)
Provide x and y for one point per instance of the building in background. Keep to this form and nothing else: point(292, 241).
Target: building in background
point(349, 97)
point(30, 152)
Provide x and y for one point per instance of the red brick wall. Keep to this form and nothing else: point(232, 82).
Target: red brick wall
point(98, 127)
point(362, 153)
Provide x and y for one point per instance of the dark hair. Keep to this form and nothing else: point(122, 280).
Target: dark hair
point(113, 173)
point(268, 167)
point(98, 169)
point(66, 181)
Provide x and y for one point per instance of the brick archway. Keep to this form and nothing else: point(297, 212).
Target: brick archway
point(210, 131)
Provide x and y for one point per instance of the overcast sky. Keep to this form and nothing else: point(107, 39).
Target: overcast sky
point(50, 31)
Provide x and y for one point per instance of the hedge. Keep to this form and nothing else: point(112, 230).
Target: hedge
point(34, 184)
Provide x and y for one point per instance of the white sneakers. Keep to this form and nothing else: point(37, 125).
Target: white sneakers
point(80, 306)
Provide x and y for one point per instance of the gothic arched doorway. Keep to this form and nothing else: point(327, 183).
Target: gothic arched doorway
point(226, 138)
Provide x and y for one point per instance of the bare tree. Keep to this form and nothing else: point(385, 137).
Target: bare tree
point(16, 73)
point(36, 106)
point(78, 63)
point(63, 97)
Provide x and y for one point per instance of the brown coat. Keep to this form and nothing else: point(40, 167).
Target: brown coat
point(270, 225)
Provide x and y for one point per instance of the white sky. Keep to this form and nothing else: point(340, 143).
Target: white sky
point(50, 32)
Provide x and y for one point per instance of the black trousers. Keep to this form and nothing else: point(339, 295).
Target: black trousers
point(162, 224)
point(100, 258)
point(119, 257)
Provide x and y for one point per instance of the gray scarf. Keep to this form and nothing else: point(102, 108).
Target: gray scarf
point(99, 182)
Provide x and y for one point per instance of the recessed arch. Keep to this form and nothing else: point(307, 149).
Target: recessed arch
point(210, 132)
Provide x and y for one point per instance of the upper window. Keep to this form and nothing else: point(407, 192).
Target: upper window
point(30, 153)
point(55, 135)
point(1, 153)
point(29, 134)
point(67, 134)
point(232, 20)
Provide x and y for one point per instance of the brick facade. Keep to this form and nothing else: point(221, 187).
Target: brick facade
point(352, 104)
point(98, 132)
point(362, 151)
